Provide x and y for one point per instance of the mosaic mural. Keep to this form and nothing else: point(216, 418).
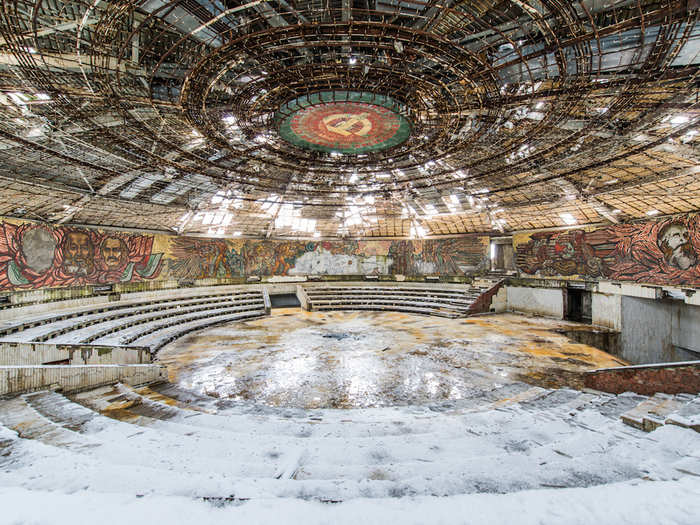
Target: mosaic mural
point(343, 121)
point(36, 256)
point(201, 258)
point(661, 252)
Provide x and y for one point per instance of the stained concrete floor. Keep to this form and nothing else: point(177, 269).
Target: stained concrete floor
point(364, 359)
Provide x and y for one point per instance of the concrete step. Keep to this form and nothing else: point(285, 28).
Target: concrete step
point(72, 315)
point(158, 336)
point(688, 414)
point(404, 457)
point(90, 332)
point(651, 413)
point(60, 410)
point(16, 414)
point(154, 444)
point(393, 308)
point(7, 439)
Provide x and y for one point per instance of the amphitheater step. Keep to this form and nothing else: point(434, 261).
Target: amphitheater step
point(651, 413)
point(331, 455)
point(7, 440)
point(18, 415)
point(384, 470)
point(688, 415)
point(59, 410)
point(158, 336)
point(33, 326)
point(93, 332)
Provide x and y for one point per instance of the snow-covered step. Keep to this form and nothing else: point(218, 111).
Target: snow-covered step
point(60, 410)
point(295, 476)
point(688, 414)
point(102, 436)
point(358, 461)
point(125, 403)
point(507, 449)
point(651, 413)
point(16, 414)
point(7, 439)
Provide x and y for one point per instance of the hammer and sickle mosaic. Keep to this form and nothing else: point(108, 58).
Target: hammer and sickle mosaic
point(350, 127)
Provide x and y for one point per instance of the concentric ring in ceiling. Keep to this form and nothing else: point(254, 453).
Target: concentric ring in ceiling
point(346, 122)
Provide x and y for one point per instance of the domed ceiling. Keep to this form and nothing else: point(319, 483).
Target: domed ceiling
point(348, 118)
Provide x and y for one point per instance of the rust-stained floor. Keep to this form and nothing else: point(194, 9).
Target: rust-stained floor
point(361, 359)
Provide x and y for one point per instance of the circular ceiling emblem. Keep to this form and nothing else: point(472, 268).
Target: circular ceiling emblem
point(344, 122)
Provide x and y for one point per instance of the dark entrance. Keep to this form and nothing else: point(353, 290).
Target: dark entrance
point(579, 305)
point(286, 300)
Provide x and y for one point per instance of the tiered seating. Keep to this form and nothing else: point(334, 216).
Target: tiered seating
point(160, 441)
point(156, 320)
point(437, 300)
point(665, 409)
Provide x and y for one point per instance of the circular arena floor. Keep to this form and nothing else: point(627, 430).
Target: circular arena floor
point(373, 359)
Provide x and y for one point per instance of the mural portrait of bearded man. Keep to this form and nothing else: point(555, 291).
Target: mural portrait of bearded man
point(674, 242)
point(78, 253)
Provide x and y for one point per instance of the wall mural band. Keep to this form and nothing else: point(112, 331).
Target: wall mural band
point(36, 255)
point(194, 258)
point(660, 252)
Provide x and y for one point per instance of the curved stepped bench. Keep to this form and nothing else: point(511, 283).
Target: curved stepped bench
point(157, 320)
point(433, 300)
point(100, 330)
point(157, 335)
point(22, 320)
point(92, 325)
point(141, 441)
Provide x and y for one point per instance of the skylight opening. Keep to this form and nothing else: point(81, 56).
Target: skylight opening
point(679, 120)
point(568, 218)
point(417, 231)
point(430, 210)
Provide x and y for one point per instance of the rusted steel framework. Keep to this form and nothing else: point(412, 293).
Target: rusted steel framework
point(523, 114)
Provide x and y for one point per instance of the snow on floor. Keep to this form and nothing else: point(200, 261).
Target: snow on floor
point(403, 464)
point(634, 503)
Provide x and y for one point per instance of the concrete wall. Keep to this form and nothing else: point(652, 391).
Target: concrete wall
point(16, 379)
point(548, 302)
point(653, 330)
point(607, 310)
point(24, 354)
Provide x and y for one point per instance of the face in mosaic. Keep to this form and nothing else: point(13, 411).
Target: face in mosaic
point(355, 125)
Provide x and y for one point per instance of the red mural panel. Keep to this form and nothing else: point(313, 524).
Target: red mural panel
point(661, 252)
point(35, 256)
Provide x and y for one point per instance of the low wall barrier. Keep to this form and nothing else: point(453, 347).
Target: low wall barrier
point(18, 379)
point(29, 354)
point(666, 378)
